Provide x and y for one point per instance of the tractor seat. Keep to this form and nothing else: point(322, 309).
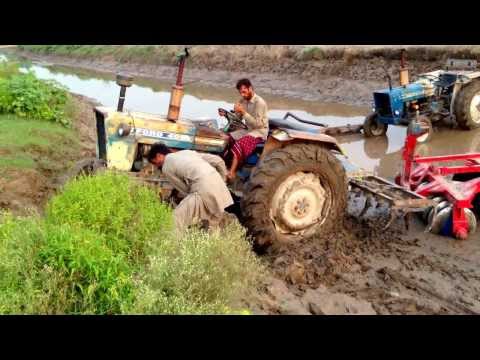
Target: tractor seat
point(253, 159)
point(293, 124)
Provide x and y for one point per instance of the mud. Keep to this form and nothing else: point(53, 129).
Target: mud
point(363, 270)
point(26, 191)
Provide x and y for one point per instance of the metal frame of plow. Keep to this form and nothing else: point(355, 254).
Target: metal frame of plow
point(402, 201)
point(420, 175)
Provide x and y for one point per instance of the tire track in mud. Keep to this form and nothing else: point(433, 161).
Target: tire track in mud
point(390, 272)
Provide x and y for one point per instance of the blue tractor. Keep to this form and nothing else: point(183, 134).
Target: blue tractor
point(451, 96)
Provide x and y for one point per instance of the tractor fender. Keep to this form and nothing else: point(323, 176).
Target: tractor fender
point(289, 135)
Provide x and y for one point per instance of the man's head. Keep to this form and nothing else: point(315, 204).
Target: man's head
point(157, 154)
point(245, 88)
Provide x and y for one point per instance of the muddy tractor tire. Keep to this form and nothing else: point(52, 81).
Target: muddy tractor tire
point(87, 167)
point(467, 106)
point(296, 192)
point(372, 127)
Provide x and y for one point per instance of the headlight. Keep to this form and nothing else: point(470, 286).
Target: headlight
point(123, 130)
point(397, 112)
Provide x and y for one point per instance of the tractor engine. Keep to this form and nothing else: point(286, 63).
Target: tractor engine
point(124, 138)
point(397, 104)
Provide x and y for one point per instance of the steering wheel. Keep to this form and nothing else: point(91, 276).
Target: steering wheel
point(233, 119)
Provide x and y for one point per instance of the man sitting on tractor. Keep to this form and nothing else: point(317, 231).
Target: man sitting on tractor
point(200, 178)
point(242, 143)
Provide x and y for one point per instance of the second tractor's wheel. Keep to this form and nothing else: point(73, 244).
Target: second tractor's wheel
point(467, 106)
point(372, 127)
point(295, 193)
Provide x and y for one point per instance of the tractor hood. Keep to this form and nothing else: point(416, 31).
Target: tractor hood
point(151, 128)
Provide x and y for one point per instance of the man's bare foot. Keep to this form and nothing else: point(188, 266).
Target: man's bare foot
point(231, 177)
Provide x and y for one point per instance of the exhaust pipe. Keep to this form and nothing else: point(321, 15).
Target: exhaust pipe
point(177, 90)
point(124, 81)
point(404, 81)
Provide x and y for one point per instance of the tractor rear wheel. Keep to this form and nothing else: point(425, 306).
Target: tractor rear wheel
point(372, 127)
point(467, 106)
point(295, 193)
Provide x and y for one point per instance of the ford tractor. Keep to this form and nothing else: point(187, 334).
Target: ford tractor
point(451, 96)
point(293, 187)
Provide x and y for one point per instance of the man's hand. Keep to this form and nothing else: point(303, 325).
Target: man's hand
point(239, 109)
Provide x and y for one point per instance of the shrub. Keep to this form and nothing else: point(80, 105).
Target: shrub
point(110, 204)
point(20, 240)
point(26, 96)
point(199, 273)
point(106, 246)
point(56, 269)
point(94, 279)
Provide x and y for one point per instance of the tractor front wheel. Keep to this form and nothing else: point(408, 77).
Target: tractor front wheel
point(373, 127)
point(295, 193)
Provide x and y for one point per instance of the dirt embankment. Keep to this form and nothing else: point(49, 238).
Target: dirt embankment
point(346, 75)
point(26, 190)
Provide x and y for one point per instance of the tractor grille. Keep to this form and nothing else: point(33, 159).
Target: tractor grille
point(382, 104)
point(101, 137)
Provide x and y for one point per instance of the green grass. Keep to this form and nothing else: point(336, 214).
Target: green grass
point(106, 246)
point(19, 161)
point(26, 143)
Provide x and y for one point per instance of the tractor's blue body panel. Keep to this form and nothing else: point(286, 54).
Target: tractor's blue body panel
point(390, 104)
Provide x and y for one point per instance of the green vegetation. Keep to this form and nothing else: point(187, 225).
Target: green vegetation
point(199, 273)
point(110, 205)
point(99, 252)
point(25, 142)
point(34, 116)
point(24, 95)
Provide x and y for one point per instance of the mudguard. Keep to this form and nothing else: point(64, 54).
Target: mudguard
point(288, 135)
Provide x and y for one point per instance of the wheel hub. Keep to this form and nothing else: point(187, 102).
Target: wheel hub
point(298, 204)
point(475, 109)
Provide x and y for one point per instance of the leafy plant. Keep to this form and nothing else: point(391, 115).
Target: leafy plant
point(56, 269)
point(107, 246)
point(198, 273)
point(26, 96)
point(126, 214)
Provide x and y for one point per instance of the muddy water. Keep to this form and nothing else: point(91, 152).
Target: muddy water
point(381, 155)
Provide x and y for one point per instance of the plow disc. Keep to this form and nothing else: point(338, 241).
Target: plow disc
point(373, 197)
point(440, 219)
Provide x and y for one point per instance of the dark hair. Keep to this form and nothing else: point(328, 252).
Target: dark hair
point(157, 148)
point(244, 82)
